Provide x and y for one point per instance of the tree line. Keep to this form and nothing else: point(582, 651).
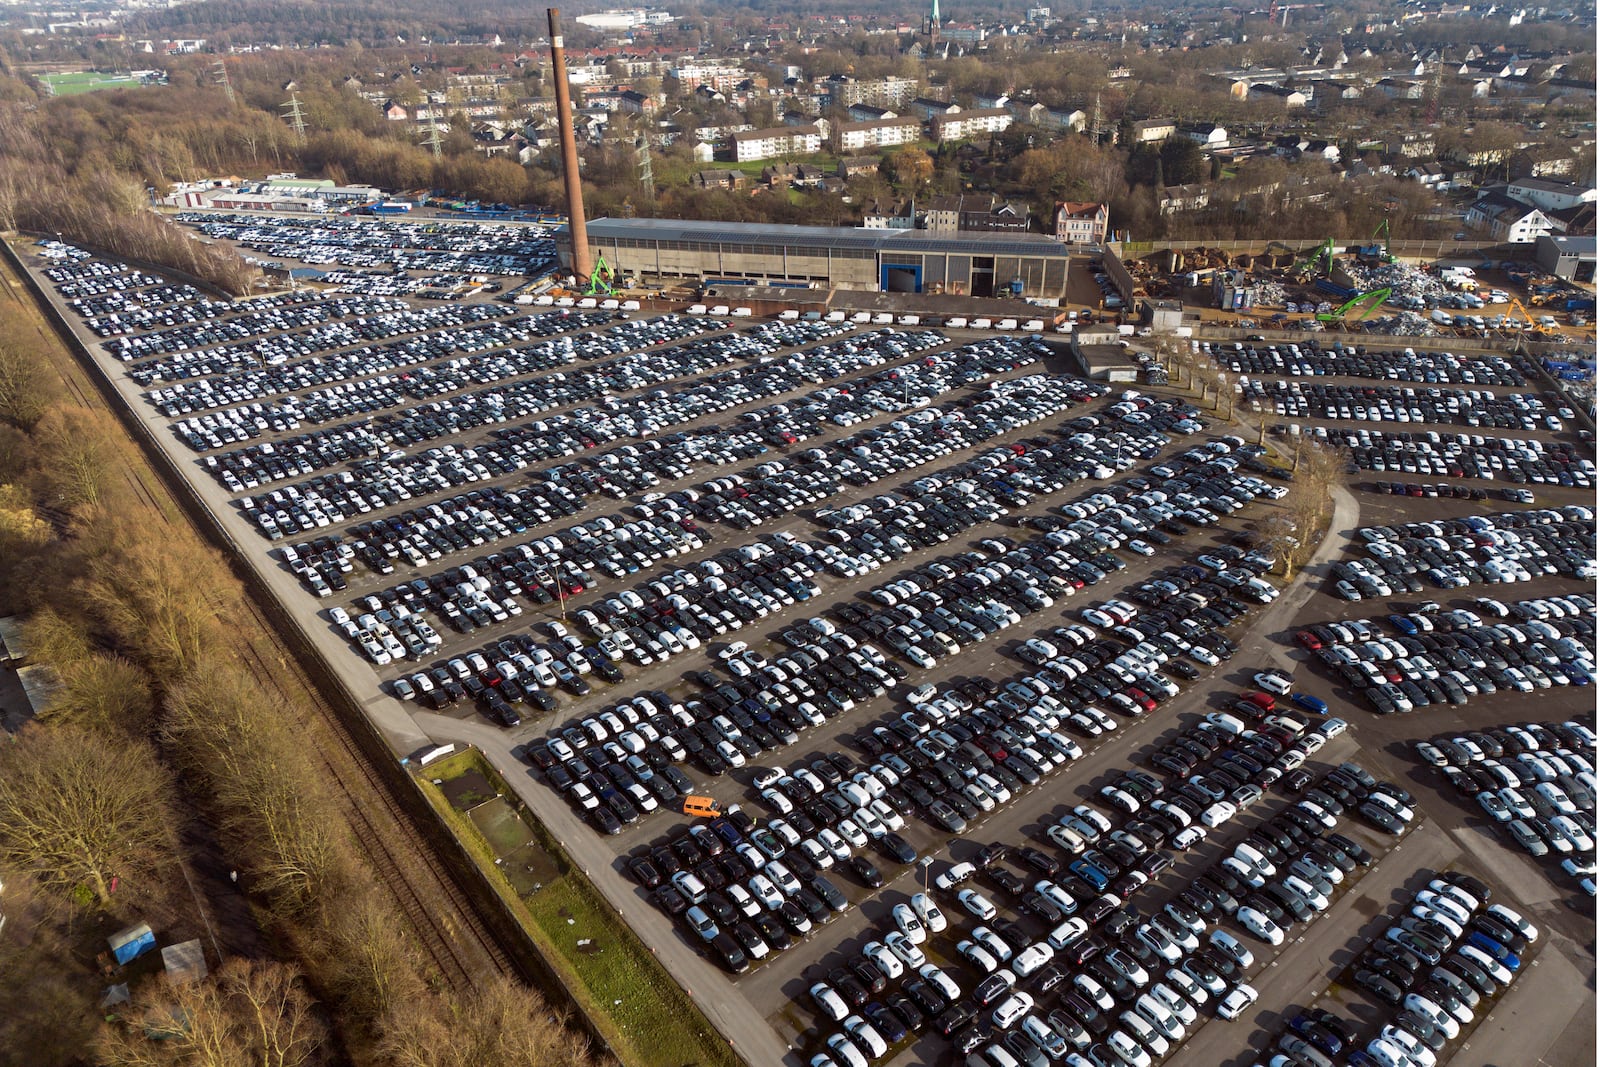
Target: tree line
point(158, 724)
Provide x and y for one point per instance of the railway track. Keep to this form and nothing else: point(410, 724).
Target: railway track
point(463, 951)
point(447, 925)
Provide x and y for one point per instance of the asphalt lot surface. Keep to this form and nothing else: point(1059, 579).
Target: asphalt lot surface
point(766, 1013)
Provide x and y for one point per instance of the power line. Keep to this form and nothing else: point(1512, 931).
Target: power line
point(220, 69)
point(296, 116)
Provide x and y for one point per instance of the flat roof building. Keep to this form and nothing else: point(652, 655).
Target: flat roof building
point(879, 260)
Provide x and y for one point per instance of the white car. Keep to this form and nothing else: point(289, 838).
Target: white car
point(829, 1002)
point(1274, 682)
point(885, 960)
point(978, 956)
point(1237, 1001)
point(1225, 942)
point(867, 1036)
point(903, 947)
point(930, 914)
point(948, 880)
point(937, 977)
point(978, 905)
point(1259, 924)
point(910, 923)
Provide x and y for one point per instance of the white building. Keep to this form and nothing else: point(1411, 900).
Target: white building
point(854, 136)
point(969, 123)
point(776, 143)
point(1548, 195)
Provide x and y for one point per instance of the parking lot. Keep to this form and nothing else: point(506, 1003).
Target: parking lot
point(889, 598)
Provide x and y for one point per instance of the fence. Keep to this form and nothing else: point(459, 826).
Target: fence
point(1469, 251)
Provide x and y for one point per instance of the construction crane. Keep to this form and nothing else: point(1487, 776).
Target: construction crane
point(1369, 302)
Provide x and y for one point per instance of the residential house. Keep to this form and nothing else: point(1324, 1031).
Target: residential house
point(637, 103)
point(1178, 198)
point(926, 109)
point(1400, 88)
point(879, 216)
point(869, 113)
point(942, 214)
point(1287, 96)
point(1507, 221)
point(1208, 135)
point(751, 145)
point(1550, 195)
point(1330, 91)
point(985, 212)
point(850, 166)
point(855, 136)
point(1059, 119)
point(1081, 222)
point(1574, 221)
point(394, 112)
point(890, 92)
point(1416, 144)
point(719, 179)
point(702, 152)
point(1153, 131)
point(1429, 174)
point(1547, 162)
point(954, 127)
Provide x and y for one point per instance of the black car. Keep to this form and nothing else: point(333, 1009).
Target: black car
point(729, 954)
point(865, 871)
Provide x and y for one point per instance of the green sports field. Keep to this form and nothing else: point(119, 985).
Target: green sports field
point(86, 81)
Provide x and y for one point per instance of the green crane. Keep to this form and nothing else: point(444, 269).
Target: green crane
point(601, 279)
point(1324, 251)
point(1369, 302)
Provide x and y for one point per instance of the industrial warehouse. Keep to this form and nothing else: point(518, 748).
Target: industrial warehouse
point(893, 261)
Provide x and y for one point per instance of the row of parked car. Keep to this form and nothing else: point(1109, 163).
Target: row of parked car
point(397, 378)
point(1446, 491)
point(570, 434)
point(1393, 403)
point(385, 244)
point(779, 690)
point(1461, 455)
point(1437, 967)
point(119, 293)
point(1118, 956)
point(374, 484)
point(1309, 359)
point(1438, 657)
point(620, 546)
point(1506, 547)
point(270, 461)
point(1536, 783)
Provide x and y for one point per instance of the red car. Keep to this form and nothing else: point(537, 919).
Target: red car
point(1308, 641)
point(1140, 697)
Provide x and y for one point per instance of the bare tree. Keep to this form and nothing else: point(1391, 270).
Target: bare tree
point(271, 802)
point(80, 456)
point(155, 596)
point(107, 693)
point(78, 810)
point(25, 391)
point(503, 1023)
point(377, 969)
point(251, 1013)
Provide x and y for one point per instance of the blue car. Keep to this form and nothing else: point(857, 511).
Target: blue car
point(1090, 873)
point(1483, 941)
point(1315, 705)
point(1404, 625)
